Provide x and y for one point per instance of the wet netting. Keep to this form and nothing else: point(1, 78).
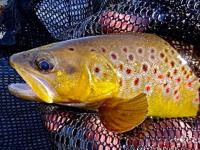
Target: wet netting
point(25, 24)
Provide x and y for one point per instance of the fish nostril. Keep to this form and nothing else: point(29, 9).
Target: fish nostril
point(25, 55)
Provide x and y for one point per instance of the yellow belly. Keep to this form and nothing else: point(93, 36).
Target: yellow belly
point(166, 106)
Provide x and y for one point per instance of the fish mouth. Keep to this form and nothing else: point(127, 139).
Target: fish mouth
point(23, 90)
point(34, 88)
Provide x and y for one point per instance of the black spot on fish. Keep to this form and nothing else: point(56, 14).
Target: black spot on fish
point(71, 49)
point(97, 69)
point(70, 69)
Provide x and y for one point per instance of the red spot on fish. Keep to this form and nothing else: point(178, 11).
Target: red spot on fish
point(128, 71)
point(185, 72)
point(160, 76)
point(189, 84)
point(175, 92)
point(71, 49)
point(162, 55)
point(168, 74)
point(152, 50)
point(125, 49)
point(197, 100)
point(167, 90)
point(114, 56)
point(178, 79)
point(152, 57)
point(121, 67)
point(165, 84)
point(175, 71)
point(148, 88)
point(103, 50)
point(130, 57)
point(188, 76)
point(155, 71)
point(145, 67)
point(136, 81)
point(140, 51)
point(97, 70)
point(172, 63)
point(177, 97)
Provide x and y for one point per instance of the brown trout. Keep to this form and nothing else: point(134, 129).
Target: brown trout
point(125, 77)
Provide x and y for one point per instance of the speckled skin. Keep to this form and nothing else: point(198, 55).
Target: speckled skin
point(148, 64)
point(120, 66)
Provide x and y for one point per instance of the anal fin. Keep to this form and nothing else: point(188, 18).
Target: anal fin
point(121, 115)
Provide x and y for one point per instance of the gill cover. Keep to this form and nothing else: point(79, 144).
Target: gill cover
point(93, 78)
point(104, 81)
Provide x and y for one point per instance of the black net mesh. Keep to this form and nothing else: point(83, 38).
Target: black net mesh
point(75, 130)
point(68, 13)
point(20, 122)
point(25, 24)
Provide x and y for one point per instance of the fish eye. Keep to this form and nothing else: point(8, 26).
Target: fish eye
point(44, 65)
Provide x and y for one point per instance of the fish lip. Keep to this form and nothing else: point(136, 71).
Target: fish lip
point(14, 88)
point(22, 90)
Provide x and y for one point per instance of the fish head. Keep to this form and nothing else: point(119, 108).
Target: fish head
point(60, 74)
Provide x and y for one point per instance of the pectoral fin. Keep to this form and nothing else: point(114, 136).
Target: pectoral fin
point(121, 115)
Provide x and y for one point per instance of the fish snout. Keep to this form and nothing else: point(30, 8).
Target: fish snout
point(18, 58)
point(12, 60)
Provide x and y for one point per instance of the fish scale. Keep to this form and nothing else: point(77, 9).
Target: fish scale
point(174, 88)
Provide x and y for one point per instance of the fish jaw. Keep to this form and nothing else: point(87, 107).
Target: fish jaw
point(23, 91)
point(34, 89)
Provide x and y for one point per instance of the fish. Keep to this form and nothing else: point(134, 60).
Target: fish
point(124, 77)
